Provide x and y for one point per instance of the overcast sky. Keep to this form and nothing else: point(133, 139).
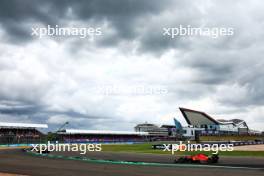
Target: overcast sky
point(57, 79)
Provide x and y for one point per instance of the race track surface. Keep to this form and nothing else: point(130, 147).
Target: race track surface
point(18, 162)
point(254, 162)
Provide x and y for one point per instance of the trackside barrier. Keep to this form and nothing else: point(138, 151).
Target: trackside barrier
point(29, 145)
point(235, 143)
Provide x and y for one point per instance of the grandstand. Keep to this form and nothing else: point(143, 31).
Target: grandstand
point(102, 136)
point(208, 125)
point(20, 133)
point(152, 129)
point(203, 126)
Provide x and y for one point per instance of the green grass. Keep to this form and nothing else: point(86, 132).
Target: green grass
point(146, 148)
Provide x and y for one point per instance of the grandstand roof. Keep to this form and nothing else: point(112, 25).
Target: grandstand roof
point(75, 131)
point(197, 117)
point(22, 125)
point(235, 121)
point(194, 117)
point(146, 125)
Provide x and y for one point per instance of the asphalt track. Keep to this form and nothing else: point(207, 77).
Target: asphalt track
point(252, 162)
point(18, 162)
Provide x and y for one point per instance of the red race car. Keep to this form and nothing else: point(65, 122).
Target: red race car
point(198, 158)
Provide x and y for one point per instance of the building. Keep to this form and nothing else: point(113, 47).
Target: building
point(18, 133)
point(170, 129)
point(204, 124)
point(153, 130)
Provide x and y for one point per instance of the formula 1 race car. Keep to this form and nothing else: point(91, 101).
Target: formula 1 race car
point(198, 158)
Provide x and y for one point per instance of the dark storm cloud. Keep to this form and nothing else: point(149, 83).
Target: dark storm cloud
point(120, 14)
point(14, 111)
point(17, 108)
point(23, 108)
point(15, 14)
point(133, 20)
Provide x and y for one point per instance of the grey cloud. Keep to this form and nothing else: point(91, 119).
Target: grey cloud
point(120, 14)
point(231, 62)
point(13, 111)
